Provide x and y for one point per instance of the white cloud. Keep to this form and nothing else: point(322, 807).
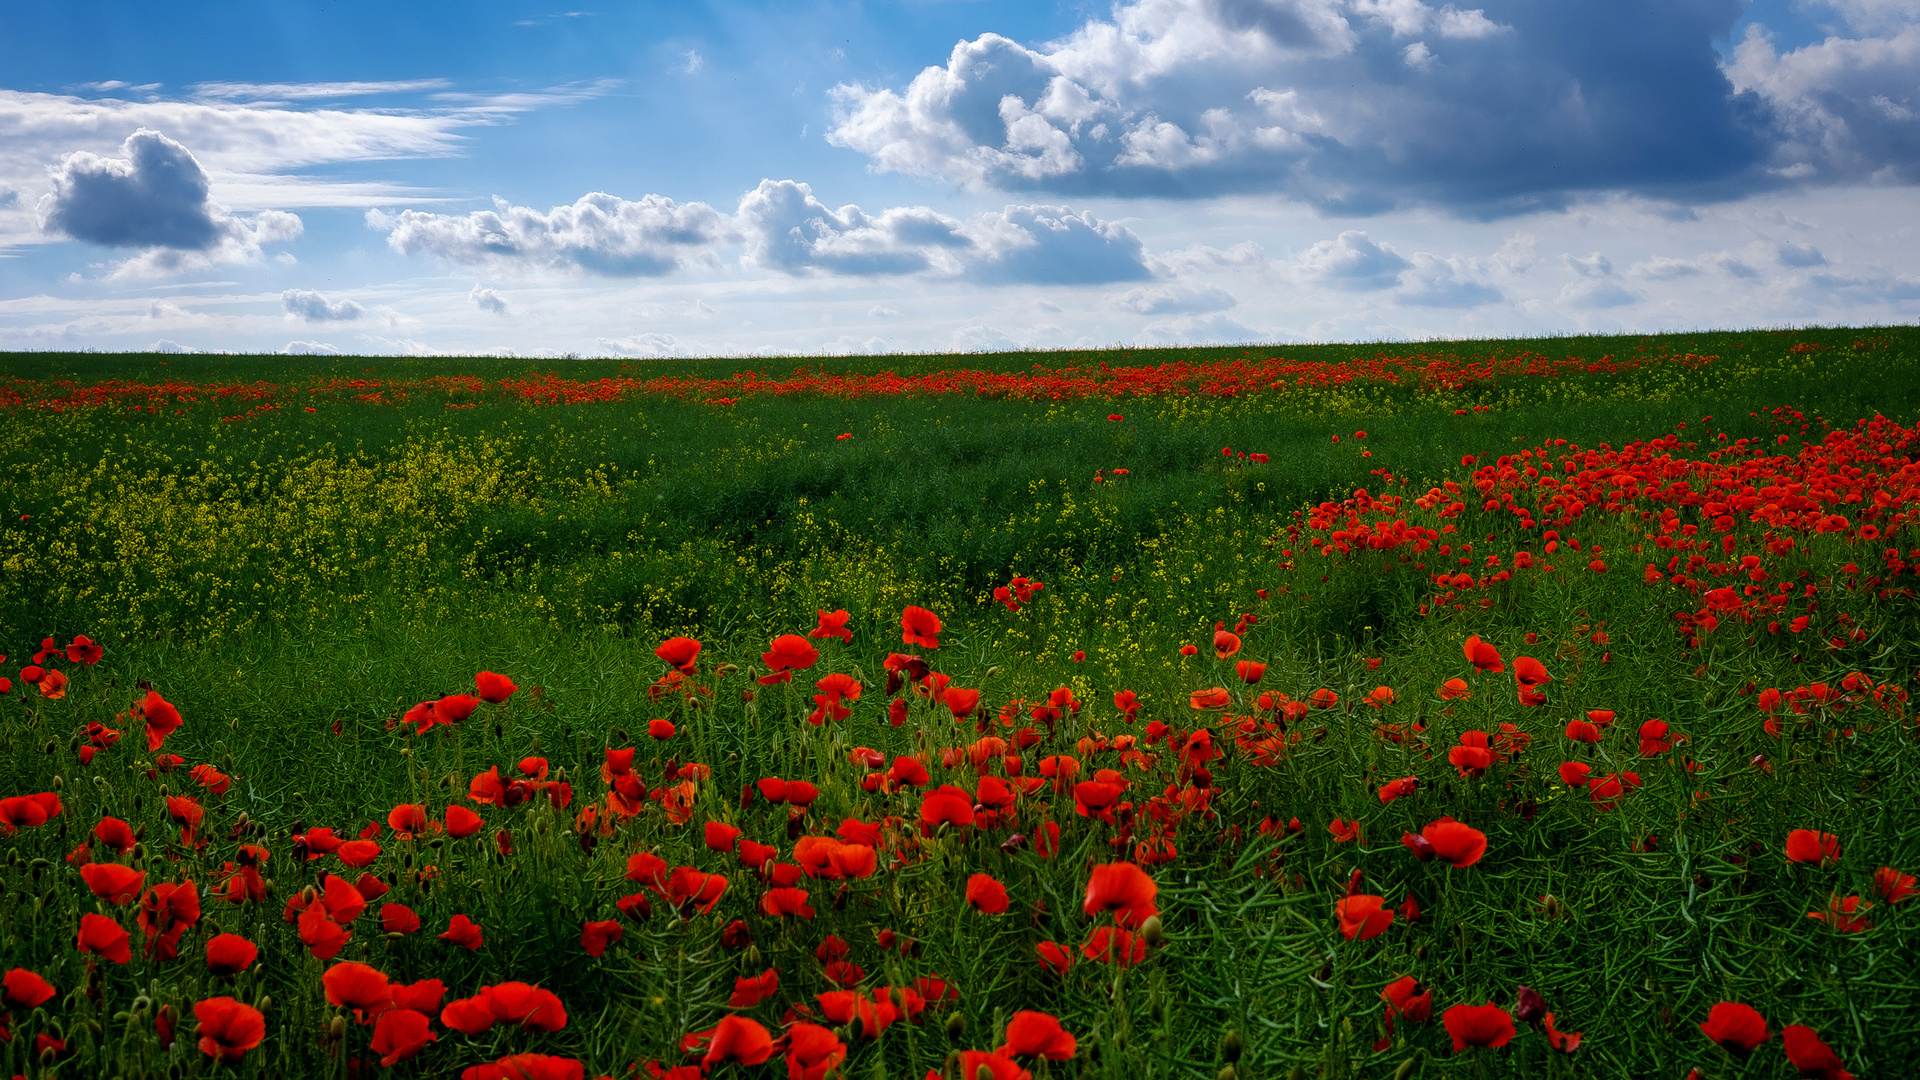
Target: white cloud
point(1177, 298)
point(309, 348)
point(1352, 262)
point(312, 307)
point(267, 92)
point(1444, 282)
point(1346, 104)
point(598, 234)
point(649, 345)
point(487, 300)
point(1845, 106)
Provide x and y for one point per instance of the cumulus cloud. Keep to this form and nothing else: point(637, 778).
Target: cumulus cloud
point(1352, 262)
point(487, 300)
point(1444, 282)
point(155, 196)
point(1353, 105)
point(645, 345)
point(1176, 298)
point(598, 234)
point(313, 307)
point(1595, 287)
point(309, 348)
point(1846, 108)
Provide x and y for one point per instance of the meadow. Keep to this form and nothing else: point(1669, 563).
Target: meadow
point(1475, 709)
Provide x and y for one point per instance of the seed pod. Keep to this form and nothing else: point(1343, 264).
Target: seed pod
point(1153, 932)
point(1227, 1072)
point(956, 1026)
point(1231, 1046)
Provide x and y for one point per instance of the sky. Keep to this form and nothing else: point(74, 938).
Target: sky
point(874, 176)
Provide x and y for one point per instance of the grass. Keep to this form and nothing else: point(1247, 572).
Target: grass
point(295, 581)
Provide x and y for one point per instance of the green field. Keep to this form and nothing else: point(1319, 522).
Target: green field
point(296, 552)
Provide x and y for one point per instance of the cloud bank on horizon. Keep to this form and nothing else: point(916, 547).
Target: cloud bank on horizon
point(1319, 168)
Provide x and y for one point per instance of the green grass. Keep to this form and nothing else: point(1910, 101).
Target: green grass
point(295, 572)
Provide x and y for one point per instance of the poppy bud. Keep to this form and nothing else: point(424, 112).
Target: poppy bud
point(1013, 843)
point(1231, 1046)
point(1227, 1072)
point(1529, 1006)
point(1406, 1068)
point(1153, 933)
point(265, 1002)
point(57, 783)
point(337, 1030)
point(956, 1026)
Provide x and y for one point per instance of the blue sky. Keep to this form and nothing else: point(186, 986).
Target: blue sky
point(679, 179)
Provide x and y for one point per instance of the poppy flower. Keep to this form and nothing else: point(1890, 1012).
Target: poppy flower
point(1345, 831)
point(1213, 697)
point(1461, 845)
point(398, 919)
point(1405, 997)
point(1473, 756)
point(1813, 847)
point(812, 1051)
point(1607, 790)
point(1110, 945)
point(678, 652)
point(323, 937)
point(104, 938)
point(1846, 914)
point(23, 990)
point(833, 624)
point(1583, 731)
point(167, 912)
point(1653, 738)
point(596, 936)
point(959, 702)
point(1225, 644)
point(493, 687)
point(1053, 957)
point(1893, 885)
point(84, 651)
point(1455, 689)
point(1124, 889)
point(360, 987)
point(228, 1028)
point(736, 1039)
point(400, 1034)
point(1362, 916)
point(462, 932)
point(946, 805)
point(462, 822)
point(1564, 1041)
point(161, 717)
point(1483, 656)
point(1736, 1027)
point(1574, 773)
point(230, 954)
point(1478, 1025)
point(115, 834)
point(527, 1067)
point(1394, 789)
point(112, 882)
point(529, 1006)
point(789, 652)
point(753, 989)
point(358, 853)
point(1530, 675)
point(1811, 1056)
point(918, 626)
point(1250, 671)
point(1036, 1034)
point(986, 895)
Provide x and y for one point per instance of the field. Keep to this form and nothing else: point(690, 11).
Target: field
point(1483, 709)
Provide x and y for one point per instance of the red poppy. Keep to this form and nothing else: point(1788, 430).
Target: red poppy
point(321, 935)
point(161, 717)
point(23, 990)
point(1362, 916)
point(1653, 738)
point(1054, 957)
point(1893, 885)
point(400, 1034)
point(1607, 790)
point(462, 932)
point(813, 1052)
point(230, 954)
point(1111, 945)
point(1736, 1027)
point(1225, 644)
point(116, 834)
point(736, 1039)
point(1036, 1034)
point(1811, 1056)
point(1405, 997)
point(84, 651)
point(1478, 1025)
point(352, 985)
point(1530, 675)
point(786, 654)
point(833, 624)
point(918, 626)
point(1583, 731)
point(1461, 845)
point(454, 708)
point(527, 1067)
point(689, 887)
point(782, 903)
point(986, 895)
point(1124, 889)
point(358, 853)
point(679, 652)
point(228, 1028)
point(1483, 656)
point(596, 936)
point(1846, 914)
point(1813, 847)
point(1394, 789)
point(1213, 697)
point(1345, 831)
point(104, 938)
point(531, 1007)
point(946, 805)
point(1564, 1041)
point(1455, 689)
point(494, 687)
point(1473, 756)
point(959, 702)
point(398, 919)
point(112, 882)
point(167, 912)
point(753, 989)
